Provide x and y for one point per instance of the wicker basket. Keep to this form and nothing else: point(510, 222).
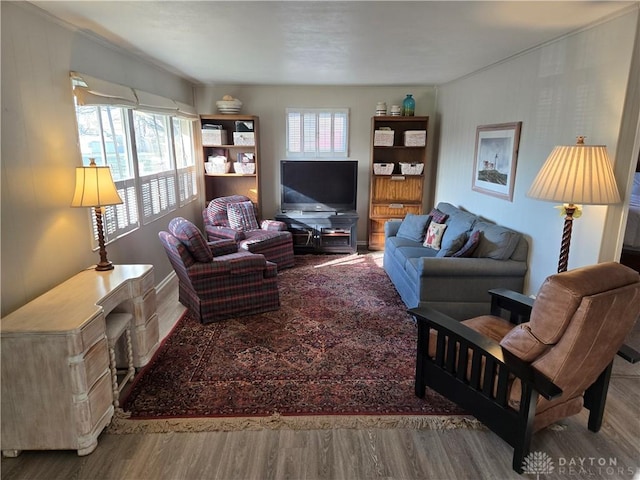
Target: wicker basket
point(383, 138)
point(383, 168)
point(215, 168)
point(244, 168)
point(415, 138)
point(411, 168)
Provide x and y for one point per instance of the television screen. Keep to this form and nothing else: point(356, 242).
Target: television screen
point(318, 185)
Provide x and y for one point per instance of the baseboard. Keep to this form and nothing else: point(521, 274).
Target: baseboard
point(165, 282)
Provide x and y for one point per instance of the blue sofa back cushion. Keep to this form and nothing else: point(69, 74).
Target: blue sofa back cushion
point(496, 242)
point(413, 227)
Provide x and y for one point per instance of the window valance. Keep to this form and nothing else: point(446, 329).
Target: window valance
point(89, 90)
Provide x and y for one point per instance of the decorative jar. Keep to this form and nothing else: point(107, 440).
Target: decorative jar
point(408, 106)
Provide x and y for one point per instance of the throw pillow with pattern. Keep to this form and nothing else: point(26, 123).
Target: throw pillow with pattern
point(470, 246)
point(242, 216)
point(438, 216)
point(434, 235)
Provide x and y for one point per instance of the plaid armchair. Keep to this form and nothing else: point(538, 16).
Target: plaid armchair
point(234, 218)
point(216, 280)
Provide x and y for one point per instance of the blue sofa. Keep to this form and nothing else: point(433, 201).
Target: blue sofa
point(455, 285)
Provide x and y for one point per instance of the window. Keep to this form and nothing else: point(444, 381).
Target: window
point(156, 171)
point(103, 137)
point(317, 133)
point(151, 154)
point(185, 159)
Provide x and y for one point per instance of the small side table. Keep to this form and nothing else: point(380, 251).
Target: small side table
point(117, 325)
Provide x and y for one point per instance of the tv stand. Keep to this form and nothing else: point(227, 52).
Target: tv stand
point(322, 232)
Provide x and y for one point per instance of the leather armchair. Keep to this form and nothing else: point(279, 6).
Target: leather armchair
point(552, 357)
point(216, 280)
point(233, 217)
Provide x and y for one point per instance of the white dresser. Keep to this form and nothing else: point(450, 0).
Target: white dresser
point(56, 382)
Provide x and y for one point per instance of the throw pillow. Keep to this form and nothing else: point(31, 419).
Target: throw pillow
point(413, 227)
point(217, 209)
point(438, 216)
point(450, 246)
point(242, 216)
point(434, 235)
point(470, 246)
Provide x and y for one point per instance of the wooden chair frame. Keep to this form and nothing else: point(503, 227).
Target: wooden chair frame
point(483, 387)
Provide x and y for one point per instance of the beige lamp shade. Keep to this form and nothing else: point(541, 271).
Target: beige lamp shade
point(94, 187)
point(577, 174)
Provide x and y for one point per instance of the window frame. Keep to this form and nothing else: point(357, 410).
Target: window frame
point(146, 198)
point(303, 133)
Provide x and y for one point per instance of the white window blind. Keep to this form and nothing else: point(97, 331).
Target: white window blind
point(158, 195)
point(317, 133)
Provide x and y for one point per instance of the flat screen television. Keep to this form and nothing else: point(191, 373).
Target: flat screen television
point(318, 185)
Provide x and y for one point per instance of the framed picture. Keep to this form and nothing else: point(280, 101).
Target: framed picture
point(494, 168)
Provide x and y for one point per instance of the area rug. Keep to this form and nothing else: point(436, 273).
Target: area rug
point(340, 352)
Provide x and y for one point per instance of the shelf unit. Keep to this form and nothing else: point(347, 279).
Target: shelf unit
point(393, 195)
point(224, 184)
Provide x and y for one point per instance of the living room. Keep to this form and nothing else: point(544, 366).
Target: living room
point(585, 83)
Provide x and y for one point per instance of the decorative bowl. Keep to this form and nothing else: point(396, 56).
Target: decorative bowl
point(229, 106)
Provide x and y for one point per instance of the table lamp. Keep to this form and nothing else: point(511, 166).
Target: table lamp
point(575, 174)
point(95, 188)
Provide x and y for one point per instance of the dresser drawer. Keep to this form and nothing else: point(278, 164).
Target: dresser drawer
point(87, 368)
point(397, 188)
point(92, 332)
point(91, 408)
point(395, 210)
point(145, 308)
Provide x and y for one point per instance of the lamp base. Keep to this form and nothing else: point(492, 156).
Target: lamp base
point(104, 263)
point(104, 266)
point(563, 261)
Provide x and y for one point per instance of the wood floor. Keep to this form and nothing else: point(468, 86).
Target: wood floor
point(576, 453)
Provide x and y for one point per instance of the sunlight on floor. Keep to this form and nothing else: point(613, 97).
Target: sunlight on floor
point(352, 260)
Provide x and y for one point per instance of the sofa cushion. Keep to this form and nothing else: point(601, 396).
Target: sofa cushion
point(191, 237)
point(495, 242)
point(470, 245)
point(242, 216)
point(434, 235)
point(413, 227)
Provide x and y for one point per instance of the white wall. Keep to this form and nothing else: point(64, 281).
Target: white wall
point(44, 241)
point(573, 86)
point(270, 102)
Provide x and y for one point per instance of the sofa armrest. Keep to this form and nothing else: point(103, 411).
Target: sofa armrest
point(222, 233)
point(469, 267)
point(273, 226)
point(391, 228)
point(223, 247)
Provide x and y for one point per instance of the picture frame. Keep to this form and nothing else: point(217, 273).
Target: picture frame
point(495, 160)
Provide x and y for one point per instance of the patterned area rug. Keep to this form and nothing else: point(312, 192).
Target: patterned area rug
point(339, 352)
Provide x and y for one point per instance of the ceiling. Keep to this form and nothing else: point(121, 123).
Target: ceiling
point(328, 43)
